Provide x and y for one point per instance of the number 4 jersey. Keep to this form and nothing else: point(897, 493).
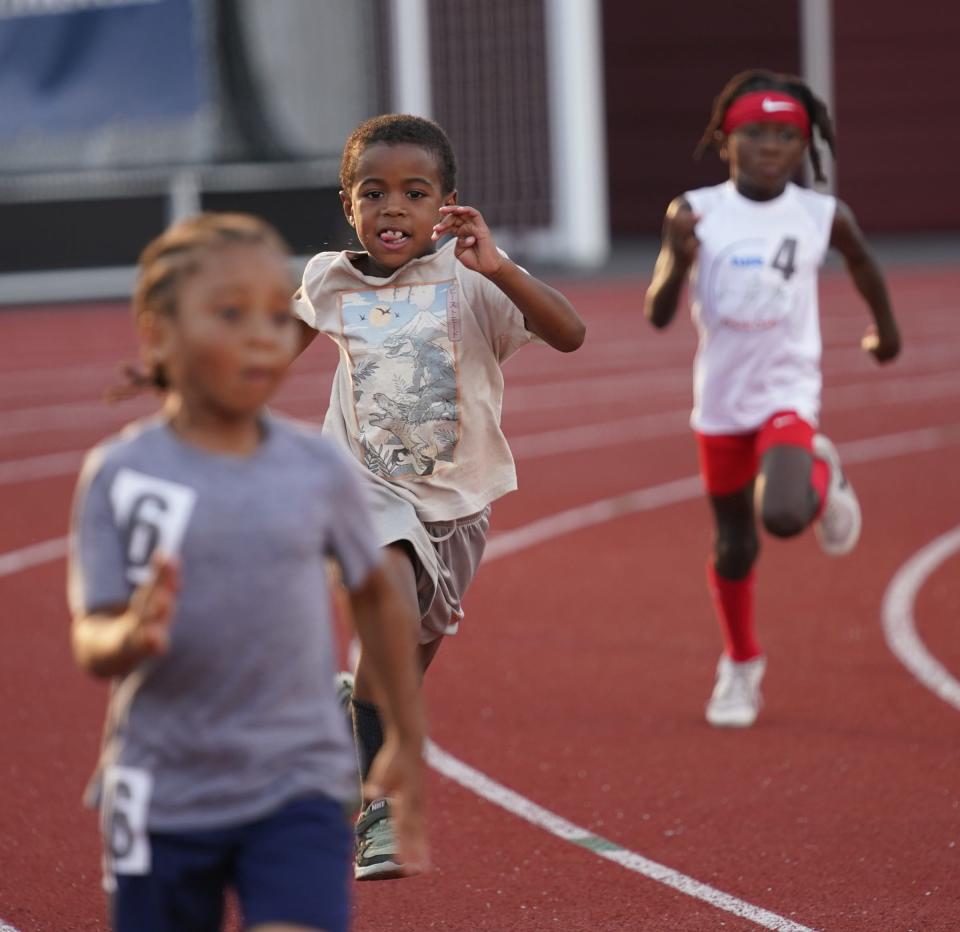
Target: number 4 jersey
point(754, 302)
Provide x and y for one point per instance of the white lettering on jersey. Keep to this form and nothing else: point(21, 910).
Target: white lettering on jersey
point(154, 514)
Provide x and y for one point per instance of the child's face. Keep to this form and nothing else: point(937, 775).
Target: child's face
point(393, 204)
point(763, 157)
point(231, 337)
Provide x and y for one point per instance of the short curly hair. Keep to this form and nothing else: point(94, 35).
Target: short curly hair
point(396, 129)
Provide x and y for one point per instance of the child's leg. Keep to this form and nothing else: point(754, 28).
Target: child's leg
point(801, 482)
point(366, 718)
point(728, 464)
point(792, 485)
point(426, 653)
point(730, 571)
point(735, 700)
point(788, 499)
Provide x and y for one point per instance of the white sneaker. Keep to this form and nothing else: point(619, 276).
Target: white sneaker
point(838, 527)
point(736, 698)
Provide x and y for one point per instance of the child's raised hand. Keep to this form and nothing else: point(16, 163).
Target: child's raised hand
point(680, 234)
point(151, 610)
point(475, 246)
point(882, 346)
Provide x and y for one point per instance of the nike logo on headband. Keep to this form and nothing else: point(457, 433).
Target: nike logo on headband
point(775, 106)
point(768, 106)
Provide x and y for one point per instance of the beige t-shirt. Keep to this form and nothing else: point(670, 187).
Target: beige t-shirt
point(418, 391)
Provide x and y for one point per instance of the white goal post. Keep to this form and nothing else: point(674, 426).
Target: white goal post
point(577, 232)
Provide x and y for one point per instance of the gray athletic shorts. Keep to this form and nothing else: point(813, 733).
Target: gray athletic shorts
point(447, 554)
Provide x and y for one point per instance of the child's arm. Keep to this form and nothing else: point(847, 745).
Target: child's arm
point(306, 335)
point(112, 642)
point(548, 313)
point(678, 250)
point(882, 338)
point(384, 625)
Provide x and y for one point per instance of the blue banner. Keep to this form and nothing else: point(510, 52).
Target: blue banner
point(71, 68)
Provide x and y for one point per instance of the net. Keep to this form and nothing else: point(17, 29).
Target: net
point(489, 82)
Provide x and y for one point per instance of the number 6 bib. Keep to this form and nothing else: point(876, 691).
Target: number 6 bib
point(126, 800)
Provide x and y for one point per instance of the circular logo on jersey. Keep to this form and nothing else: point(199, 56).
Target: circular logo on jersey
point(749, 289)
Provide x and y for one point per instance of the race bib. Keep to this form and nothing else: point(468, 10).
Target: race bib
point(154, 514)
point(126, 800)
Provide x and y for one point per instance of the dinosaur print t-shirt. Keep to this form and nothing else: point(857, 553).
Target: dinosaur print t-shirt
point(418, 391)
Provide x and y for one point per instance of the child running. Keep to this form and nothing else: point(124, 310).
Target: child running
point(423, 333)
point(198, 582)
point(755, 244)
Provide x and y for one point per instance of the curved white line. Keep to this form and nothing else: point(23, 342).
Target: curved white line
point(898, 622)
point(36, 554)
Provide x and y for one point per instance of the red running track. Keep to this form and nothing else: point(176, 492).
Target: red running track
point(579, 677)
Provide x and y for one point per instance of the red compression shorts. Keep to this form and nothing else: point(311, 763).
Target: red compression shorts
point(728, 462)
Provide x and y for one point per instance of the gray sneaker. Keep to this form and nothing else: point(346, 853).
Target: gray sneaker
point(376, 856)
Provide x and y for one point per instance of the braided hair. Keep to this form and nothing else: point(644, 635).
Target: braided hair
point(173, 256)
point(759, 79)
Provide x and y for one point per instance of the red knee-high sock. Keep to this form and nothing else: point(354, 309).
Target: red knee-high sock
point(819, 481)
point(733, 599)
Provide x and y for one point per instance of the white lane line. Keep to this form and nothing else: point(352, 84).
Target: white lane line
point(575, 519)
point(591, 391)
point(520, 806)
point(35, 555)
point(567, 440)
point(908, 442)
point(899, 626)
point(855, 451)
point(40, 467)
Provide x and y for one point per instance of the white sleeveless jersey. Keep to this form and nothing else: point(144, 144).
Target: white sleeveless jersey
point(754, 302)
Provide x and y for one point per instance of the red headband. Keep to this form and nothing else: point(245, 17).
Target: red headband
point(766, 107)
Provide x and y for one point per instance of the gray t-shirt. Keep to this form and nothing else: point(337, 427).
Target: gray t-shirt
point(240, 716)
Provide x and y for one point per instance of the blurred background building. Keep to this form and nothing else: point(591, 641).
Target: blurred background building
point(574, 120)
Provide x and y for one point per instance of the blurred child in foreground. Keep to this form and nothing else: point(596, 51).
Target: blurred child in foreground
point(198, 583)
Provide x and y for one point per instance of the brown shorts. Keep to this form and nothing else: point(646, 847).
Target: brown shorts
point(447, 555)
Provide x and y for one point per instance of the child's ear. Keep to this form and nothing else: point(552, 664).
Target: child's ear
point(450, 199)
point(156, 338)
point(347, 202)
point(720, 141)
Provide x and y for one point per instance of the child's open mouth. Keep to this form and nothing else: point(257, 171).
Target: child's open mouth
point(393, 238)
